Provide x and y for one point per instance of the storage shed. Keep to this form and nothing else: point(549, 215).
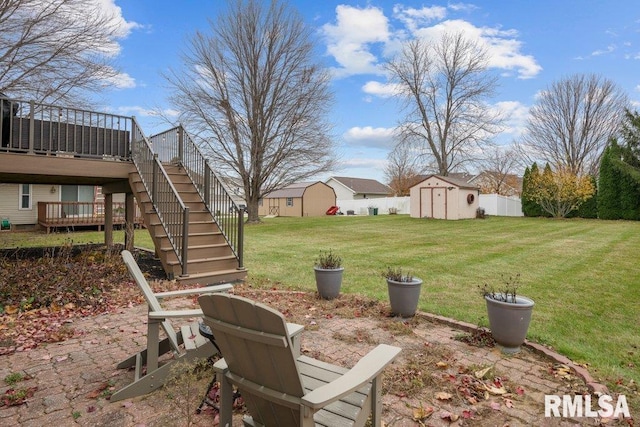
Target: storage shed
point(444, 197)
point(299, 199)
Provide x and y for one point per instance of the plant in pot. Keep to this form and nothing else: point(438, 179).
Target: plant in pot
point(404, 291)
point(328, 270)
point(509, 313)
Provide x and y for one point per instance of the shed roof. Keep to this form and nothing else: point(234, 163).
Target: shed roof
point(461, 183)
point(292, 190)
point(363, 185)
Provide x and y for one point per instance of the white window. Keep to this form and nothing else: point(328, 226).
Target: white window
point(25, 196)
point(289, 201)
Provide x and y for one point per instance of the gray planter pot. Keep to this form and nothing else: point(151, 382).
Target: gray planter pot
point(509, 322)
point(404, 296)
point(328, 281)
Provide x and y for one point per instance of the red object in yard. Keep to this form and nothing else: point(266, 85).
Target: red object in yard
point(333, 210)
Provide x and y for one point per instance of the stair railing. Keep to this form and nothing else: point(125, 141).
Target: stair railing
point(172, 211)
point(176, 146)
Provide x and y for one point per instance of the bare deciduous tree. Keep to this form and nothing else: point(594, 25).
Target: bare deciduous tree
point(572, 121)
point(56, 51)
point(403, 167)
point(499, 167)
point(444, 84)
point(256, 100)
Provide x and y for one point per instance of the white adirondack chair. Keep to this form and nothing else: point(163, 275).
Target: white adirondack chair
point(280, 387)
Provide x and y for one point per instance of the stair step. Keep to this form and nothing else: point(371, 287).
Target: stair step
point(214, 278)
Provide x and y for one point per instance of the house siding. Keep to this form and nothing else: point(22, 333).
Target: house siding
point(10, 202)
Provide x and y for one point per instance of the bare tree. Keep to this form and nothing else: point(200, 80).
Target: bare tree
point(58, 50)
point(443, 85)
point(256, 100)
point(402, 170)
point(572, 121)
point(499, 171)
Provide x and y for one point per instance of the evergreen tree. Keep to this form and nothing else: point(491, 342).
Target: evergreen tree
point(608, 184)
point(529, 206)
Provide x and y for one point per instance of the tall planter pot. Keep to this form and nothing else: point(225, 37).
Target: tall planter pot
point(328, 281)
point(509, 321)
point(404, 296)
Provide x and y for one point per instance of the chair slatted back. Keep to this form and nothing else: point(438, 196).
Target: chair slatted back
point(256, 346)
point(152, 301)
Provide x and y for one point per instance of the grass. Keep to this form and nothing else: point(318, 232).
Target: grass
point(582, 274)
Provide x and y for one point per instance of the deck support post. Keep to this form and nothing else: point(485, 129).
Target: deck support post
point(108, 220)
point(129, 209)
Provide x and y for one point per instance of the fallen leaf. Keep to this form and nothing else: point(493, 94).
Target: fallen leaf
point(442, 365)
point(421, 413)
point(442, 395)
point(483, 372)
point(495, 406)
point(449, 416)
point(519, 391)
point(495, 390)
point(508, 403)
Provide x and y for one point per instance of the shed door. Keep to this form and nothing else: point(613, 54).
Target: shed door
point(274, 207)
point(433, 202)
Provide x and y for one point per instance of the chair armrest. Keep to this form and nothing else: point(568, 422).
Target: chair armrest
point(174, 314)
point(364, 371)
point(203, 290)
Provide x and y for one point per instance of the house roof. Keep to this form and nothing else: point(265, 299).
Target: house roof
point(292, 190)
point(363, 185)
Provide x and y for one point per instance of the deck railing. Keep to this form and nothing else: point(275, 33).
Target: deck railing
point(176, 146)
point(173, 213)
point(72, 214)
point(29, 127)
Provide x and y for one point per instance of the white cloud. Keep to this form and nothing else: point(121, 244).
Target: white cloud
point(515, 114)
point(502, 46)
point(370, 137)
point(121, 81)
point(350, 39)
point(383, 90)
point(415, 18)
point(599, 52)
point(361, 38)
point(138, 111)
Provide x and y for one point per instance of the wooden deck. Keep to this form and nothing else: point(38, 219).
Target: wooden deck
point(68, 215)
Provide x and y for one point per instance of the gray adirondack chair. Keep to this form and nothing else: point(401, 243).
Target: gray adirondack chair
point(279, 387)
point(185, 344)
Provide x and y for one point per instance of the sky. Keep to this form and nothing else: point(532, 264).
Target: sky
point(531, 44)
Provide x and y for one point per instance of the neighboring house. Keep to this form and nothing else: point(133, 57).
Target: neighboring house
point(19, 202)
point(444, 198)
point(358, 188)
point(300, 199)
point(491, 182)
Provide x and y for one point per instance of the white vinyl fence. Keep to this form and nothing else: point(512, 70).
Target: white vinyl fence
point(384, 204)
point(497, 205)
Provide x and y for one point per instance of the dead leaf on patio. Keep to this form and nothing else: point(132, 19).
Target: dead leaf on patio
point(508, 403)
point(421, 413)
point(495, 406)
point(519, 391)
point(97, 392)
point(495, 390)
point(448, 416)
point(483, 372)
point(442, 365)
point(442, 395)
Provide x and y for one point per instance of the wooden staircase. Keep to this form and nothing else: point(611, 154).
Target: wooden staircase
point(210, 259)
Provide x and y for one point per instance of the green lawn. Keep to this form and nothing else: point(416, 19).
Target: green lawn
point(583, 274)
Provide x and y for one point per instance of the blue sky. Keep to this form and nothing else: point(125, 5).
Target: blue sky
point(531, 43)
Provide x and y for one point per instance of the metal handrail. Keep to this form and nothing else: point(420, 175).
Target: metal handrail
point(176, 146)
point(172, 211)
